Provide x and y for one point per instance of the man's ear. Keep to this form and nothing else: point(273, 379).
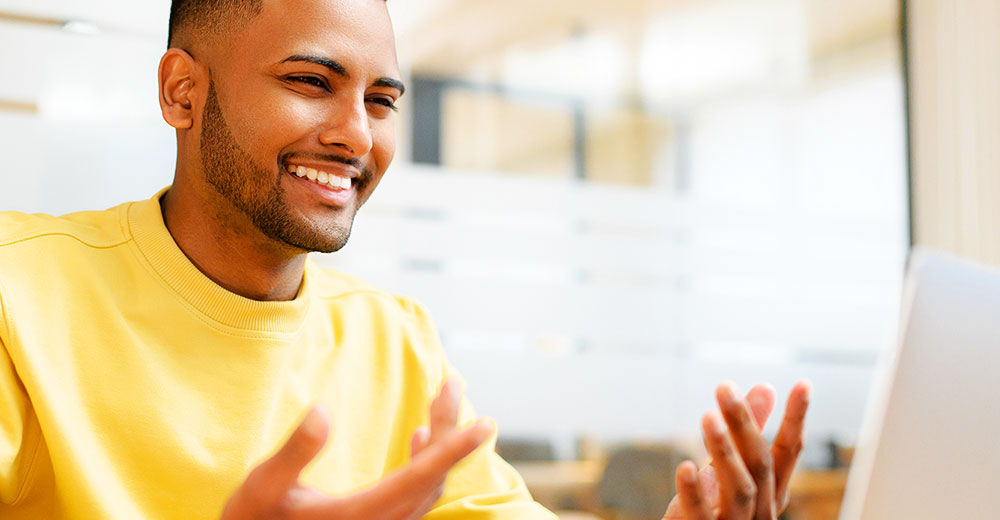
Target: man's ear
point(177, 75)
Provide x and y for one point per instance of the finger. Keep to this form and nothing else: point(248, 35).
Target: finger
point(419, 483)
point(271, 480)
point(419, 440)
point(737, 489)
point(674, 511)
point(689, 493)
point(709, 490)
point(752, 447)
point(788, 443)
point(444, 409)
point(710, 487)
point(761, 399)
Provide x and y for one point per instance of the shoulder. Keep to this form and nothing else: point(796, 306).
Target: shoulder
point(92, 229)
point(333, 286)
point(339, 289)
point(395, 330)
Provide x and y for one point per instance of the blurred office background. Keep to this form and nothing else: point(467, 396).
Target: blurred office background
point(609, 207)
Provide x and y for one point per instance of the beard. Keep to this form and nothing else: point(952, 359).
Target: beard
point(257, 192)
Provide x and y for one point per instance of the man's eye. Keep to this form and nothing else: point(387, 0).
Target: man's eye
point(309, 80)
point(386, 102)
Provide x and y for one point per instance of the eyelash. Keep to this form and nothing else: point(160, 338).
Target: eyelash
point(316, 82)
point(309, 80)
point(386, 103)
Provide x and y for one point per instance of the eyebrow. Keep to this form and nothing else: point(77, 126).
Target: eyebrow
point(339, 70)
point(391, 83)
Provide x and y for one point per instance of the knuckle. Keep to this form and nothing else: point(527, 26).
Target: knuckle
point(691, 494)
point(693, 498)
point(793, 448)
point(744, 495)
point(796, 447)
point(729, 452)
point(738, 421)
point(761, 468)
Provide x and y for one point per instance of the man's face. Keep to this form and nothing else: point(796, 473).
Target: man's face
point(303, 95)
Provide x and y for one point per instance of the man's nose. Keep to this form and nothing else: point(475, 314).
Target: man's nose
point(349, 128)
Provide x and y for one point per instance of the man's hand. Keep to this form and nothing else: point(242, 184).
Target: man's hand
point(747, 479)
point(272, 490)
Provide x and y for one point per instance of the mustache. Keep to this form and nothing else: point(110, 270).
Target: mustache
point(353, 162)
point(365, 173)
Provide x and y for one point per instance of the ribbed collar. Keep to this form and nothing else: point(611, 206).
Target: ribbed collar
point(145, 222)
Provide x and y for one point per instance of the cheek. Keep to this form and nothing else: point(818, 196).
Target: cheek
point(276, 123)
point(383, 142)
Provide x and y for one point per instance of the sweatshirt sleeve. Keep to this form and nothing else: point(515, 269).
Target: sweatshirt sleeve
point(18, 439)
point(482, 486)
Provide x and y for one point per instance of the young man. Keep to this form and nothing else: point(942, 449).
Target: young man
point(153, 354)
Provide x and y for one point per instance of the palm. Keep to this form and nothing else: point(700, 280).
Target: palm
point(272, 490)
point(760, 401)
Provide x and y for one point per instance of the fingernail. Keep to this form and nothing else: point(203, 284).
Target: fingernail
point(728, 392)
point(770, 388)
point(689, 473)
point(484, 429)
point(715, 423)
point(807, 393)
point(315, 422)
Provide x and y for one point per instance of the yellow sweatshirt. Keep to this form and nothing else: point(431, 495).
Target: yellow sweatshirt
point(132, 386)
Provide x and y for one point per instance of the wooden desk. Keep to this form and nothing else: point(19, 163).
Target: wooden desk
point(561, 484)
point(815, 495)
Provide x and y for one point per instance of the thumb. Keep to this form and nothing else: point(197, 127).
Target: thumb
point(268, 485)
point(282, 470)
point(709, 488)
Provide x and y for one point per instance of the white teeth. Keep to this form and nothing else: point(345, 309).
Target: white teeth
point(321, 177)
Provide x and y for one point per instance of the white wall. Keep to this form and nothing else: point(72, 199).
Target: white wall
point(572, 309)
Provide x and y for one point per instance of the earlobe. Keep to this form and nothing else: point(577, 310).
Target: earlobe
point(176, 78)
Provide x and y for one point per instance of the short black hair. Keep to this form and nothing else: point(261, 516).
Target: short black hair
point(215, 17)
point(209, 17)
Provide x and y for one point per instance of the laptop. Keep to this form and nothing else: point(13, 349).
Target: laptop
point(930, 443)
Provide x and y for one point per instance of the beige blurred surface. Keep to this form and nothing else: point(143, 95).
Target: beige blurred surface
point(954, 79)
point(814, 494)
point(833, 24)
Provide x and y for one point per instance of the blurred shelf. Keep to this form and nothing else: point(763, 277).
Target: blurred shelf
point(558, 485)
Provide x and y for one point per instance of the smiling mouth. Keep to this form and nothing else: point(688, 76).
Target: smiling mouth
point(327, 180)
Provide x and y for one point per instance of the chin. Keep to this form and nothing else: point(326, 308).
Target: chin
point(328, 238)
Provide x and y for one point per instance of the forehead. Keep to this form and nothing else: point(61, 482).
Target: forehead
point(358, 33)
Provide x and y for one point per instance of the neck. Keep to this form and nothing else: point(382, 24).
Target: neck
point(230, 250)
